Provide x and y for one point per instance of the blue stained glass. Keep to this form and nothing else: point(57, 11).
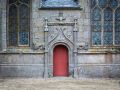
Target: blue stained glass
point(108, 15)
point(96, 26)
point(108, 26)
point(108, 38)
point(113, 3)
point(93, 3)
point(60, 3)
point(108, 7)
point(96, 15)
point(117, 14)
point(117, 38)
point(102, 3)
point(23, 38)
point(96, 38)
point(117, 26)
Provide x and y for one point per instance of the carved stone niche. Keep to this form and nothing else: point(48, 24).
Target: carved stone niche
point(60, 4)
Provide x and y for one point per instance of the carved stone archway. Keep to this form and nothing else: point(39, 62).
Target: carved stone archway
point(64, 33)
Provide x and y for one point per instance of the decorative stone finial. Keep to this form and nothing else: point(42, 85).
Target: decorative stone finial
point(60, 17)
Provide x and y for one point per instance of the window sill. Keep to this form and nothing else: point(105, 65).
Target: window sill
point(60, 8)
point(20, 51)
point(105, 49)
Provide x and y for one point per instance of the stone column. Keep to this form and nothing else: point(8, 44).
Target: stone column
point(75, 48)
point(46, 49)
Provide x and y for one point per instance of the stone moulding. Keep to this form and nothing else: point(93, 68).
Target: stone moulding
point(60, 8)
point(61, 23)
point(60, 32)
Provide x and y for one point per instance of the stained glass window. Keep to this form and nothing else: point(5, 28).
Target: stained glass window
point(105, 17)
point(108, 26)
point(19, 22)
point(59, 3)
point(117, 26)
point(102, 3)
point(113, 3)
point(96, 26)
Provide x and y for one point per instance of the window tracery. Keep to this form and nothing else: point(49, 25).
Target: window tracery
point(18, 22)
point(105, 18)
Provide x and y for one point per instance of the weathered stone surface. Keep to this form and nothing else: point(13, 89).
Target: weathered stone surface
point(62, 29)
point(21, 70)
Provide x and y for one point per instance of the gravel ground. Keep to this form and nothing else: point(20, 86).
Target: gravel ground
point(59, 84)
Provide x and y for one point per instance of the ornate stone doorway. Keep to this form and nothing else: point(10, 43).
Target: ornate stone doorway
point(60, 35)
point(60, 61)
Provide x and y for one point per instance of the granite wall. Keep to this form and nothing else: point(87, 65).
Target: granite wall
point(30, 62)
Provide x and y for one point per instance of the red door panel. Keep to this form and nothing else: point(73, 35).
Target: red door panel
point(60, 61)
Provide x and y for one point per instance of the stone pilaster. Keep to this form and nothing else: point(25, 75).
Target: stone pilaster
point(46, 49)
point(75, 31)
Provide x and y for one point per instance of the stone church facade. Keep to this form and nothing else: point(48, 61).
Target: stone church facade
point(33, 31)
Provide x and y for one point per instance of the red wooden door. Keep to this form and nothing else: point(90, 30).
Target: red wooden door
point(60, 61)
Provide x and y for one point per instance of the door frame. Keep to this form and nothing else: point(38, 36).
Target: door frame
point(70, 59)
point(67, 60)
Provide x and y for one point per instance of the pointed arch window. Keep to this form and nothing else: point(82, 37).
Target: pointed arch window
point(18, 22)
point(108, 27)
point(105, 18)
point(96, 26)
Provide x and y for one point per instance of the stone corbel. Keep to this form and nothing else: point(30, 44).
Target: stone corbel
point(35, 46)
point(83, 46)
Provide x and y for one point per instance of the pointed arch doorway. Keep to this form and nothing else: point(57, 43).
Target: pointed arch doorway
point(60, 61)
